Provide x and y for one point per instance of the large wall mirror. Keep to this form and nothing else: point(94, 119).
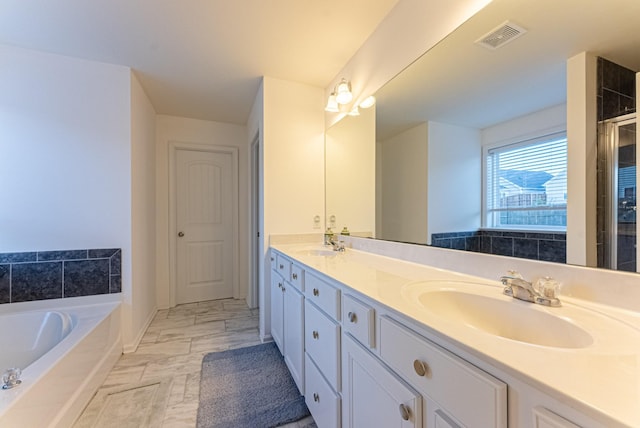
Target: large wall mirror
point(436, 122)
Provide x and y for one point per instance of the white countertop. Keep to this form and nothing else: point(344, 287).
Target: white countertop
point(602, 379)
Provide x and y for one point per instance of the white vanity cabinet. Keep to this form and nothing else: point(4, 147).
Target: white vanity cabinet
point(374, 396)
point(287, 315)
point(457, 393)
point(322, 348)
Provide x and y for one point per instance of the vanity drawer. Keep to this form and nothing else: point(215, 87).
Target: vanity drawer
point(476, 398)
point(322, 401)
point(283, 266)
point(358, 320)
point(325, 296)
point(322, 343)
point(297, 276)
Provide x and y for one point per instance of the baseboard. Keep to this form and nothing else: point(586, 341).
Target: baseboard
point(132, 347)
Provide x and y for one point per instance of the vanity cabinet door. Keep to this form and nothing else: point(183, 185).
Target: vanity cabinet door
point(373, 396)
point(277, 310)
point(294, 334)
point(468, 394)
point(543, 418)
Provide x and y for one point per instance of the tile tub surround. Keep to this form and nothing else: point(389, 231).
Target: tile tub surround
point(545, 246)
point(42, 275)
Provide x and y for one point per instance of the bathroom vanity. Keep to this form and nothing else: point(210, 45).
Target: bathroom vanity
point(374, 341)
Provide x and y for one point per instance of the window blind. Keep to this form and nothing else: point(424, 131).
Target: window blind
point(527, 184)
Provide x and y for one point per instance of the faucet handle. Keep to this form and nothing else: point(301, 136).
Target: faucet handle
point(514, 274)
point(548, 287)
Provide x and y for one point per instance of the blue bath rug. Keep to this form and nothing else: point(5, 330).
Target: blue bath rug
point(248, 387)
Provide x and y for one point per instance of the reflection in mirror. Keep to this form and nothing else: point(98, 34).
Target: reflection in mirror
point(437, 119)
point(350, 174)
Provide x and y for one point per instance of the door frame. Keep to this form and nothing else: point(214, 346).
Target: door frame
point(256, 246)
point(174, 146)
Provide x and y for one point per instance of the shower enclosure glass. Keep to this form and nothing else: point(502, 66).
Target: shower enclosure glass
point(618, 165)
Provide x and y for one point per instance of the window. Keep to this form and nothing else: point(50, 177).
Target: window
point(526, 184)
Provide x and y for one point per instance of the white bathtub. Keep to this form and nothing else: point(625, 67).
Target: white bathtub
point(65, 354)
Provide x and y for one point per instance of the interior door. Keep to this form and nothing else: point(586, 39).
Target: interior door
point(204, 220)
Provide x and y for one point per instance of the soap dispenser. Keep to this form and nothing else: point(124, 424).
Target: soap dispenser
point(328, 236)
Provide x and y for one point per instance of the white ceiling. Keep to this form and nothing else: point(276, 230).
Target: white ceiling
point(461, 83)
point(200, 58)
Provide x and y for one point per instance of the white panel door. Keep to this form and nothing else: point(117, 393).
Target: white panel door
point(204, 214)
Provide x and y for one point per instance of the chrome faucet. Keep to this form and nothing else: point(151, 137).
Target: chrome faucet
point(330, 238)
point(11, 378)
point(516, 286)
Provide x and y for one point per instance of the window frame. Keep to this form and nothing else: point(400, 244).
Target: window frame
point(511, 143)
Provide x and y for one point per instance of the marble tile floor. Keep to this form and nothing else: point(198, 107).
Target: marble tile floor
point(172, 350)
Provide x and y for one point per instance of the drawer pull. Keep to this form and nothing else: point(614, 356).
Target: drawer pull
point(316, 397)
point(352, 317)
point(421, 368)
point(295, 276)
point(316, 292)
point(315, 334)
point(405, 412)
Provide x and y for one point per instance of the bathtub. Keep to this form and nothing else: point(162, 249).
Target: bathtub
point(65, 354)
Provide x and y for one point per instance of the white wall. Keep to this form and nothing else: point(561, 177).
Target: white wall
point(409, 30)
point(582, 120)
point(350, 147)
point(547, 121)
point(65, 154)
point(293, 156)
point(455, 179)
point(75, 139)
point(402, 177)
point(142, 294)
point(291, 122)
point(182, 130)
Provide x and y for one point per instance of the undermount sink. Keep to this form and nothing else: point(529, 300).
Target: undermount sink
point(322, 252)
point(475, 306)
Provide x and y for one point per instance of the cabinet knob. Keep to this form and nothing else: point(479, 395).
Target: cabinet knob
point(280, 285)
point(316, 397)
point(421, 368)
point(281, 266)
point(315, 334)
point(405, 412)
point(352, 317)
point(272, 258)
point(295, 276)
point(316, 292)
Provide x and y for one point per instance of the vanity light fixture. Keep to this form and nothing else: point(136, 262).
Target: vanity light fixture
point(341, 95)
point(343, 92)
point(368, 102)
point(332, 104)
point(354, 112)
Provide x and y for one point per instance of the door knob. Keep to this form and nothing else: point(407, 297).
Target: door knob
point(180, 234)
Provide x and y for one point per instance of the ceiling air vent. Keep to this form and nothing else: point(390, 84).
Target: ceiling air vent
point(501, 35)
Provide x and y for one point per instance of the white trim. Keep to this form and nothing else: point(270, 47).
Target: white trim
point(174, 146)
point(132, 347)
point(255, 245)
